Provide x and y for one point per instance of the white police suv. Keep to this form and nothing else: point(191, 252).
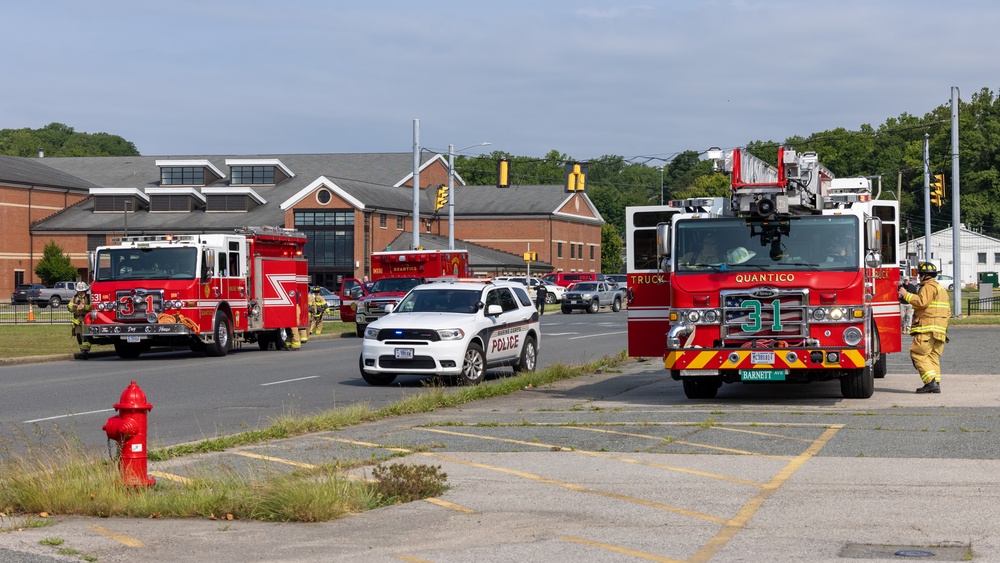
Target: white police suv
point(454, 330)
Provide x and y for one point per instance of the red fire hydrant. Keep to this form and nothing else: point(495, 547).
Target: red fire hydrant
point(128, 428)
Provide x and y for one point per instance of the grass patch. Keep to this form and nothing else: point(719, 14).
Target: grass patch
point(39, 340)
point(68, 479)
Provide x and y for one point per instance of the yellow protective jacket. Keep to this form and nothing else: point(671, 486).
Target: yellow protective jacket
point(317, 305)
point(930, 309)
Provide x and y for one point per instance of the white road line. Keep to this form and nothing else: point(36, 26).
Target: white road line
point(289, 380)
point(559, 333)
point(602, 334)
point(65, 416)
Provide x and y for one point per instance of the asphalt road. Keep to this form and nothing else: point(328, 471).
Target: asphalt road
point(196, 397)
point(620, 466)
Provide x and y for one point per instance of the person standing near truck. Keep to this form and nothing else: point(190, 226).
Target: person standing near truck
point(79, 306)
point(930, 326)
point(540, 298)
point(317, 308)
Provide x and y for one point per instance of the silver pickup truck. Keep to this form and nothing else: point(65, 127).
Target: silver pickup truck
point(591, 296)
point(61, 292)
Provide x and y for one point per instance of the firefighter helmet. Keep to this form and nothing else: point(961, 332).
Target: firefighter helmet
point(927, 269)
point(81, 287)
point(739, 255)
point(316, 289)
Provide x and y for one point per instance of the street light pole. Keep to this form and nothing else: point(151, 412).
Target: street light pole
point(451, 190)
point(661, 185)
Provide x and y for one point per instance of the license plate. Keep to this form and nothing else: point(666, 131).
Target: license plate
point(404, 353)
point(762, 357)
point(763, 374)
point(132, 339)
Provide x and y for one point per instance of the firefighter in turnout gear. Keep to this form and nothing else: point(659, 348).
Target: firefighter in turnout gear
point(930, 326)
point(317, 308)
point(79, 306)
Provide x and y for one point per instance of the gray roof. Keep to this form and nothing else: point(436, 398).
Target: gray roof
point(371, 179)
point(481, 258)
point(35, 172)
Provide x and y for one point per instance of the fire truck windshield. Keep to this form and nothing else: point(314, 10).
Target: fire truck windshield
point(146, 263)
point(814, 242)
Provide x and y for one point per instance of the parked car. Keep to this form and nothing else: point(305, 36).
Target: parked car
point(454, 331)
point(59, 293)
point(553, 292)
point(26, 293)
point(566, 278)
point(591, 296)
point(332, 299)
point(946, 282)
point(618, 281)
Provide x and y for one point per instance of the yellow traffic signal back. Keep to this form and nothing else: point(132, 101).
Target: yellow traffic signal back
point(937, 190)
point(442, 198)
point(503, 173)
point(576, 176)
point(531, 256)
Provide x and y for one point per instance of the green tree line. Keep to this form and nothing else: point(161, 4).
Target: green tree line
point(891, 153)
point(57, 139)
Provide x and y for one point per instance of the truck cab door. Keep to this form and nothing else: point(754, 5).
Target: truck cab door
point(351, 291)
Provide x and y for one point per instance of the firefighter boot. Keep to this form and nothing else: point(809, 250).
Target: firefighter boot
point(932, 387)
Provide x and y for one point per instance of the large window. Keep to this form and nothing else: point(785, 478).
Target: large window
point(243, 175)
point(182, 176)
point(331, 238)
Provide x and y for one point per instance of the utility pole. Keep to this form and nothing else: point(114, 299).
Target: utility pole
point(956, 208)
point(416, 184)
point(927, 199)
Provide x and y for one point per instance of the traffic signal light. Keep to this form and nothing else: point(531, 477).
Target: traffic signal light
point(937, 190)
point(576, 176)
point(503, 173)
point(531, 256)
point(442, 198)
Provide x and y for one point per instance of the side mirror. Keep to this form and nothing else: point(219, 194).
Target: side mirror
point(663, 245)
point(493, 310)
point(389, 308)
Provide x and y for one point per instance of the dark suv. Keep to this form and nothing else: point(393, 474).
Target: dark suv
point(26, 292)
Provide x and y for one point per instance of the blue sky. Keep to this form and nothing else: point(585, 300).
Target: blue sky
point(584, 78)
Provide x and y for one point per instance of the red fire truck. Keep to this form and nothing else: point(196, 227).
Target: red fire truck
point(799, 286)
point(393, 275)
point(199, 291)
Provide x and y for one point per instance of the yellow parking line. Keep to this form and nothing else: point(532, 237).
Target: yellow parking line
point(759, 433)
point(412, 559)
point(604, 455)
point(451, 505)
point(747, 511)
point(170, 477)
point(582, 489)
point(622, 550)
point(278, 460)
point(682, 442)
point(122, 539)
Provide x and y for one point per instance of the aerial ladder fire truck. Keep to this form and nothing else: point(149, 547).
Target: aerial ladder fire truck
point(204, 291)
point(802, 287)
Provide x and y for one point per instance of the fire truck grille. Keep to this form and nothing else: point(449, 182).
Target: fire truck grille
point(138, 306)
point(764, 313)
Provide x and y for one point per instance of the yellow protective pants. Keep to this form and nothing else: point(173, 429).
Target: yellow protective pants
point(925, 353)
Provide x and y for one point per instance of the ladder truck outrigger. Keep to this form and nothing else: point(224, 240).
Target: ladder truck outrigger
point(803, 289)
point(208, 292)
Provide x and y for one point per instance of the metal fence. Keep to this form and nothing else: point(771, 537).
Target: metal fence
point(983, 306)
point(23, 313)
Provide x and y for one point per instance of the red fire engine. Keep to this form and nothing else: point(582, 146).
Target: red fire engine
point(393, 275)
point(202, 291)
point(791, 279)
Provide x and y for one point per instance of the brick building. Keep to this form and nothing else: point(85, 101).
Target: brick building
point(348, 205)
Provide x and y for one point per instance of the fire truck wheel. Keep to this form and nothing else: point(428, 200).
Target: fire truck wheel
point(264, 340)
point(617, 305)
point(379, 379)
point(474, 365)
point(594, 306)
point(127, 351)
point(880, 367)
point(858, 384)
point(220, 345)
point(701, 387)
point(529, 356)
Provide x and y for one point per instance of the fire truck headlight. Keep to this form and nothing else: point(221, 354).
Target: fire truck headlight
point(836, 314)
point(151, 318)
point(693, 316)
point(819, 314)
point(711, 316)
point(853, 336)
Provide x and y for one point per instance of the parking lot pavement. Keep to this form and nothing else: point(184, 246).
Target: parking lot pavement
point(619, 466)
